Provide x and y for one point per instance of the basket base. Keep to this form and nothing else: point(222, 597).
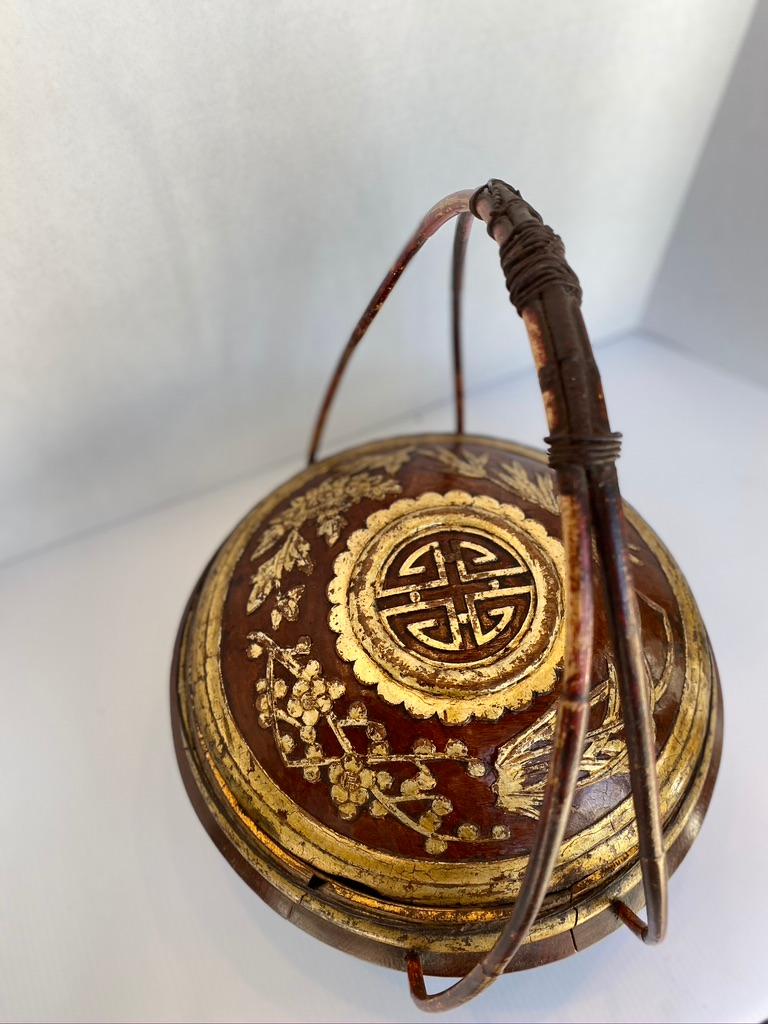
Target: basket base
point(387, 951)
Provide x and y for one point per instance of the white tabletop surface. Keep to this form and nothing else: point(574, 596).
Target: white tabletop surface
point(115, 905)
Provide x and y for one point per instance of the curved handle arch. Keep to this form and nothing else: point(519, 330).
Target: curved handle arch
point(582, 451)
point(454, 205)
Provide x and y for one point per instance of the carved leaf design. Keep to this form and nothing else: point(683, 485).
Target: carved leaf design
point(287, 605)
point(522, 764)
point(292, 554)
point(388, 462)
point(330, 527)
point(605, 752)
point(538, 489)
point(462, 462)
point(324, 504)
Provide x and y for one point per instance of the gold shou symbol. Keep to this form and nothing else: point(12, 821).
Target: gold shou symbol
point(455, 597)
point(450, 605)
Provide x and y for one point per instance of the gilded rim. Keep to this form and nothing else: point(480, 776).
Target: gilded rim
point(400, 927)
point(234, 787)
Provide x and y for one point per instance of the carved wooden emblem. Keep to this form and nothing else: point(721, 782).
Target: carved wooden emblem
point(451, 605)
point(457, 597)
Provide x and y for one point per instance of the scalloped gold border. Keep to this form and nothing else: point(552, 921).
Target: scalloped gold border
point(508, 681)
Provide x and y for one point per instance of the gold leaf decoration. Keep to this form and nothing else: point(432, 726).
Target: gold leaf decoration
point(634, 554)
point(293, 697)
point(522, 764)
point(324, 504)
point(539, 488)
point(388, 462)
point(605, 752)
point(461, 461)
point(330, 527)
point(293, 553)
point(287, 605)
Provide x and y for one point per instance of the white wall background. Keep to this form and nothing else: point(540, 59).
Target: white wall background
point(711, 294)
point(197, 199)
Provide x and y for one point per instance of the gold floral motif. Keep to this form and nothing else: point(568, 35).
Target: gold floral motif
point(287, 605)
point(293, 553)
point(358, 782)
point(351, 785)
point(310, 698)
point(324, 505)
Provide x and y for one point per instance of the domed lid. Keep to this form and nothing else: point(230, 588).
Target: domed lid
point(369, 677)
point(441, 705)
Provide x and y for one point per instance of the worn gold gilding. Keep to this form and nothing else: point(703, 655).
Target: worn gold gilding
point(288, 846)
point(486, 685)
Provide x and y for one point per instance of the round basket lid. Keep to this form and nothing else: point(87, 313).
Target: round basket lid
point(364, 695)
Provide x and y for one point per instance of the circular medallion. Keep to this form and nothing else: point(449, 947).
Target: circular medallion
point(451, 605)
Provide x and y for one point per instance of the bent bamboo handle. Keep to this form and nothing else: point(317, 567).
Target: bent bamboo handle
point(583, 450)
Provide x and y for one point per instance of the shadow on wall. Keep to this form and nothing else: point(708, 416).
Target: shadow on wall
point(711, 294)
